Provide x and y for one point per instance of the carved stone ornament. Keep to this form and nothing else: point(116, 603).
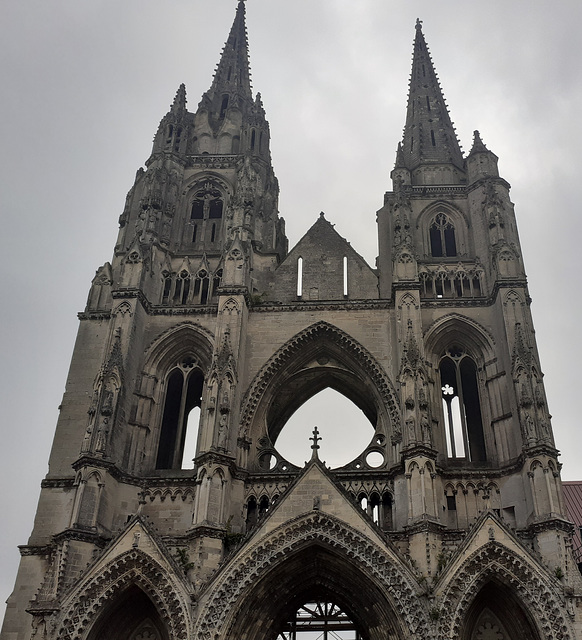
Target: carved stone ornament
point(132, 567)
point(314, 333)
point(498, 563)
point(247, 568)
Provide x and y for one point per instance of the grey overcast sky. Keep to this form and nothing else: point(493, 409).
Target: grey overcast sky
point(85, 85)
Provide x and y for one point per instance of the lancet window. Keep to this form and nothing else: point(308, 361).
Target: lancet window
point(183, 394)
point(443, 243)
point(206, 214)
point(184, 289)
point(461, 406)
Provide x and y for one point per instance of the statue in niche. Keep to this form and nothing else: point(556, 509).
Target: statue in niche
point(530, 430)
point(222, 432)
point(425, 428)
point(411, 429)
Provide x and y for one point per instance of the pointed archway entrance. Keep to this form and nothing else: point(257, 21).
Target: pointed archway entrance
point(313, 593)
point(130, 616)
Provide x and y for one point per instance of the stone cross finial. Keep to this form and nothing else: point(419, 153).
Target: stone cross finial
point(315, 446)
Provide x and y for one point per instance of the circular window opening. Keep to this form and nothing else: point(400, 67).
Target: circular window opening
point(343, 428)
point(374, 459)
point(268, 461)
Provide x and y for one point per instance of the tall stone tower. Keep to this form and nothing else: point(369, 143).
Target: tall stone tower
point(450, 524)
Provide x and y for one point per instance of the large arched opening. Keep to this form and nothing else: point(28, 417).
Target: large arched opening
point(321, 358)
point(497, 614)
point(324, 582)
point(130, 616)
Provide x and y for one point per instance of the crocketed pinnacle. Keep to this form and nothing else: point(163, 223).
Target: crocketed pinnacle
point(429, 135)
point(478, 145)
point(179, 104)
point(232, 75)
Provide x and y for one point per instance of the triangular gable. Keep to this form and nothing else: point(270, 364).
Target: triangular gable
point(323, 255)
point(315, 490)
point(486, 530)
point(136, 536)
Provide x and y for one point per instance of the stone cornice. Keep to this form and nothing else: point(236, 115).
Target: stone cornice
point(35, 549)
point(81, 535)
point(332, 305)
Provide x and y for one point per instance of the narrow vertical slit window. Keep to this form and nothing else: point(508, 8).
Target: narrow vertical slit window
point(299, 277)
point(432, 138)
point(345, 276)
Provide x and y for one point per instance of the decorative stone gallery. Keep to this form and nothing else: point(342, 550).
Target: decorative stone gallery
point(449, 524)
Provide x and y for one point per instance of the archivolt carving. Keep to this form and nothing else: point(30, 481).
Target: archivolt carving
point(457, 329)
point(252, 564)
point(315, 333)
point(132, 567)
point(187, 335)
point(494, 561)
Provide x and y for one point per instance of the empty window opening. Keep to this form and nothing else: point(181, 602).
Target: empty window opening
point(191, 440)
point(261, 143)
point(253, 136)
point(299, 277)
point(263, 505)
point(442, 237)
point(432, 138)
point(197, 211)
point(427, 103)
point(229, 74)
point(462, 407)
point(345, 276)
point(183, 393)
point(319, 620)
point(451, 503)
point(251, 520)
point(224, 106)
point(339, 421)
point(194, 233)
point(216, 282)
point(213, 233)
point(423, 72)
point(167, 288)
point(215, 209)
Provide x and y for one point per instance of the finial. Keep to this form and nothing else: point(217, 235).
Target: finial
point(321, 214)
point(315, 446)
point(418, 24)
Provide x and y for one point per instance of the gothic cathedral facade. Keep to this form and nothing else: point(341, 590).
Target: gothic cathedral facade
point(450, 524)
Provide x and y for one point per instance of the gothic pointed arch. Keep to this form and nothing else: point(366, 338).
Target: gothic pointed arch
point(459, 349)
point(133, 573)
point(170, 387)
point(444, 231)
point(320, 356)
point(493, 574)
point(311, 557)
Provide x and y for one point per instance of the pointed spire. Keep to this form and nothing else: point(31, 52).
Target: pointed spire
point(478, 145)
point(429, 135)
point(179, 104)
point(232, 76)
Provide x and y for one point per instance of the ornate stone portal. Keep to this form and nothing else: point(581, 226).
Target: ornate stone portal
point(169, 511)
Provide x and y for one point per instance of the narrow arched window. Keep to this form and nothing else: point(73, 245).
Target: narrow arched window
point(462, 406)
point(216, 282)
point(183, 393)
point(224, 104)
point(251, 513)
point(208, 204)
point(299, 277)
point(442, 237)
point(167, 287)
point(201, 287)
point(253, 136)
